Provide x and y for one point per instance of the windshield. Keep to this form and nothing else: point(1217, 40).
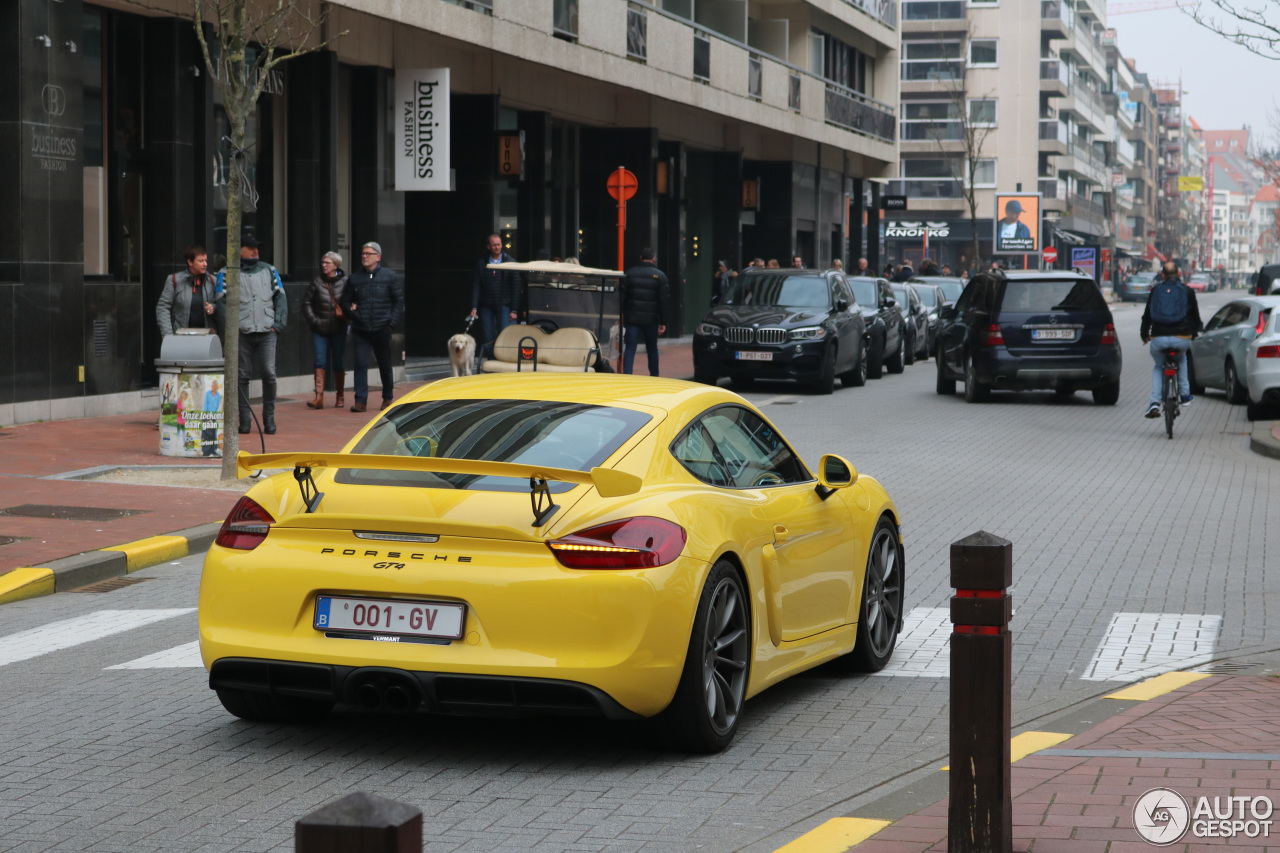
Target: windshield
point(1027, 297)
point(900, 294)
point(864, 290)
point(928, 296)
point(951, 289)
point(536, 432)
point(792, 291)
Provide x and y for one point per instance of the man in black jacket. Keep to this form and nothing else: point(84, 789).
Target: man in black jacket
point(1170, 321)
point(495, 293)
point(374, 300)
point(645, 310)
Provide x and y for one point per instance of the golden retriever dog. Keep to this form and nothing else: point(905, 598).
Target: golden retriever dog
point(462, 354)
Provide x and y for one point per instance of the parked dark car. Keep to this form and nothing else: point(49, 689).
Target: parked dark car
point(1026, 330)
point(917, 319)
point(783, 324)
point(952, 286)
point(886, 328)
point(1268, 280)
point(933, 298)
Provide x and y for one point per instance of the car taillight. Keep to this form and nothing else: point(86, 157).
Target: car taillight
point(1262, 322)
point(246, 526)
point(995, 337)
point(1272, 351)
point(632, 543)
point(1109, 334)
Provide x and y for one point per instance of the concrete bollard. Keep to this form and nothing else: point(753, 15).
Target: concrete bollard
point(360, 823)
point(980, 812)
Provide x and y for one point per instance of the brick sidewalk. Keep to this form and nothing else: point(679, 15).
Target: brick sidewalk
point(1064, 802)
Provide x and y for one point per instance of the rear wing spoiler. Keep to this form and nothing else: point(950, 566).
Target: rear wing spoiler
point(607, 482)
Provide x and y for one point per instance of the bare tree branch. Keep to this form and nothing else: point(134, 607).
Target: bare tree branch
point(1254, 25)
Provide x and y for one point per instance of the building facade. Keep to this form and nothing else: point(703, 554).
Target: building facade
point(119, 161)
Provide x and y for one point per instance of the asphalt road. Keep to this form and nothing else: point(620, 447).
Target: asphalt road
point(1132, 555)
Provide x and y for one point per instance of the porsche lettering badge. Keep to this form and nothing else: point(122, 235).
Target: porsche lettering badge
point(395, 555)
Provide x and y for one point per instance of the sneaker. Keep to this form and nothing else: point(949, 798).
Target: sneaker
point(1186, 401)
point(1154, 410)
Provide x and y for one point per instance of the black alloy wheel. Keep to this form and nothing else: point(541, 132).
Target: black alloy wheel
point(909, 352)
point(857, 377)
point(826, 382)
point(897, 363)
point(974, 391)
point(704, 714)
point(1196, 387)
point(875, 361)
point(880, 610)
point(1107, 395)
point(945, 387)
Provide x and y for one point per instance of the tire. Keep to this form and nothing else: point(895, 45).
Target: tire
point(1236, 392)
point(1064, 392)
point(741, 383)
point(266, 708)
point(1196, 387)
point(880, 608)
point(704, 714)
point(1170, 411)
point(826, 383)
point(875, 361)
point(926, 349)
point(897, 363)
point(974, 391)
point(946, 387)
point(857, 377)
point(1107, 395)
point(909, 353)
point(705, 377)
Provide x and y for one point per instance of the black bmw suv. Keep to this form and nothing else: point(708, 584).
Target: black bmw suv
point(1026, 330)
point(783, 324)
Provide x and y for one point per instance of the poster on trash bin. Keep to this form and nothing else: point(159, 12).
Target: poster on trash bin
point(191, 414)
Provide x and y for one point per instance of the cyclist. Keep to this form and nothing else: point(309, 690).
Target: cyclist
point(1170, 321)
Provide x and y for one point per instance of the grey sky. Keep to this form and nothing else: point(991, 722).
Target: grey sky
point(1225, 86)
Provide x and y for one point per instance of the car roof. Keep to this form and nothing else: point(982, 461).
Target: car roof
point(1262, 301)
point(600, 389)
point(936, 279)
point(867, 278)
point(1045, 275)
point(787, 271)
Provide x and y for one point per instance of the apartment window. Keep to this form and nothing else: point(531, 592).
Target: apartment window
point(637, 34)
point(844, 64)
point(701, 56)
point(932, 10)
point(984, 173)
point(817, 54)
point(924, 120)
point(982, 112)
point(485, 6)
point(564, 18)
point(793, 92)
point(984, 53)
point(984, 2)
point(932, 60)
point(755, 77)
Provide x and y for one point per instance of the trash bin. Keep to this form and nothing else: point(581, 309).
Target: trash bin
point(191, 393)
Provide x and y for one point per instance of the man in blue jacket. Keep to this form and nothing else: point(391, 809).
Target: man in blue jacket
point(374, 301)
point(264, 312)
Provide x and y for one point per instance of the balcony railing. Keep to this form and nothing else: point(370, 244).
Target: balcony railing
point(885, 11)
point(1085, 153)
point(1058, 10)
point(926, 188)
point(1052, 130)
point(1055, 69)
point(853, 111)
point(1088, 210)
point(1052, 188)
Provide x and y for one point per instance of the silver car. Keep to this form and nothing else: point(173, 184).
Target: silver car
point(1263, 366)
point(1219, 357)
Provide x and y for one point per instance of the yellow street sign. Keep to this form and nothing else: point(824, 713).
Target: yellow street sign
point(1190, 184)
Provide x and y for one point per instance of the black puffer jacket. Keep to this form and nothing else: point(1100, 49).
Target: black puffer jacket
point(378, 298)
point(648, 295)
point(496, 288)
point(321, 297)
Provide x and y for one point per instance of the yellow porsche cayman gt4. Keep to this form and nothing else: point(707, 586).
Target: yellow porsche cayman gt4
point(549, 544)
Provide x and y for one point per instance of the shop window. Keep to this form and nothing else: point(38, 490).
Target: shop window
point(95, 176)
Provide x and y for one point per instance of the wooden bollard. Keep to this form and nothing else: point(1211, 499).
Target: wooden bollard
point(360, 823)
point(980, 811)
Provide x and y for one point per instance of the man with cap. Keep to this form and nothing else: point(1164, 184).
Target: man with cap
point(374, 300)
point(264, 312)
point(1010, 228)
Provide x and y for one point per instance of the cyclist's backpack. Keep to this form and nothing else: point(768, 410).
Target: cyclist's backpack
point(1168, 303)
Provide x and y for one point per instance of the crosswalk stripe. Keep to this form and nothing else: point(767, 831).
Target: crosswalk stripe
point(56, 636)
point(1140, 645)
point(179, 657)
point(923, 649)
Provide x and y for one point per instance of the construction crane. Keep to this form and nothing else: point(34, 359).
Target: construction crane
point(1146, 6)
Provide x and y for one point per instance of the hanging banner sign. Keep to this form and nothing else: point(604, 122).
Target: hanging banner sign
point(422, 129)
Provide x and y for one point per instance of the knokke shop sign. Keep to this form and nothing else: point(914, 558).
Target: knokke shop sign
point(422, 129)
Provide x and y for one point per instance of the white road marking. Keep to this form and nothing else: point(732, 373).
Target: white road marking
point(55, 636)
point(923, 649)
point(1140, 645)
point(179, 657)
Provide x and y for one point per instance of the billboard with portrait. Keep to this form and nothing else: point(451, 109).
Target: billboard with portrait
point(1017, 226)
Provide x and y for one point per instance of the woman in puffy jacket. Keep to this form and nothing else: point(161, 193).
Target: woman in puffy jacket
point(323, 307)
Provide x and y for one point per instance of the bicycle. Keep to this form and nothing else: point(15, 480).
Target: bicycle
point(1172, 400)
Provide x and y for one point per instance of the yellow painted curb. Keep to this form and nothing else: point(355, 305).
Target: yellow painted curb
point(25, 583)
point(1020, 746)
point(149, 552)
point(1158, 686)
point(835, 836)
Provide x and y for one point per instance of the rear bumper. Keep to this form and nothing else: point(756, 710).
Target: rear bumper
point(384, 688)
point(1003, 370)
point(1264, 380)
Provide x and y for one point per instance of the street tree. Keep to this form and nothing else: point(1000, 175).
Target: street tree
point(1252, 24)
point(242, 41)
point(961, 139)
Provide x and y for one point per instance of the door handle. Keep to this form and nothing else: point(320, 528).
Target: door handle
point(779, 533)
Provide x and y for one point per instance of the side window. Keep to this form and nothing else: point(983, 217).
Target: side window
point(693, 450)
point(750, 451)
point(969, 297)
point(845, 293)
point(886, 292)
point(1217, 321)
point(1238, 313)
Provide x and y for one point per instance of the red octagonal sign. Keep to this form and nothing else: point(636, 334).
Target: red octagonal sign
point(1050, 254)
point(622, 184)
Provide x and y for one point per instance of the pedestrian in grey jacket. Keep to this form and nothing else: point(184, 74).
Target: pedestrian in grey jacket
point(264, 312)
point(187, 298)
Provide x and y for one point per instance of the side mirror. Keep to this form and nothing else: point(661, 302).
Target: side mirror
point(890, 302)
point(835, 473)
point(842, 305)
point(947, 312)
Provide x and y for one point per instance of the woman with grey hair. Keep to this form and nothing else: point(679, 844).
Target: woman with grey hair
point(323, 307)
